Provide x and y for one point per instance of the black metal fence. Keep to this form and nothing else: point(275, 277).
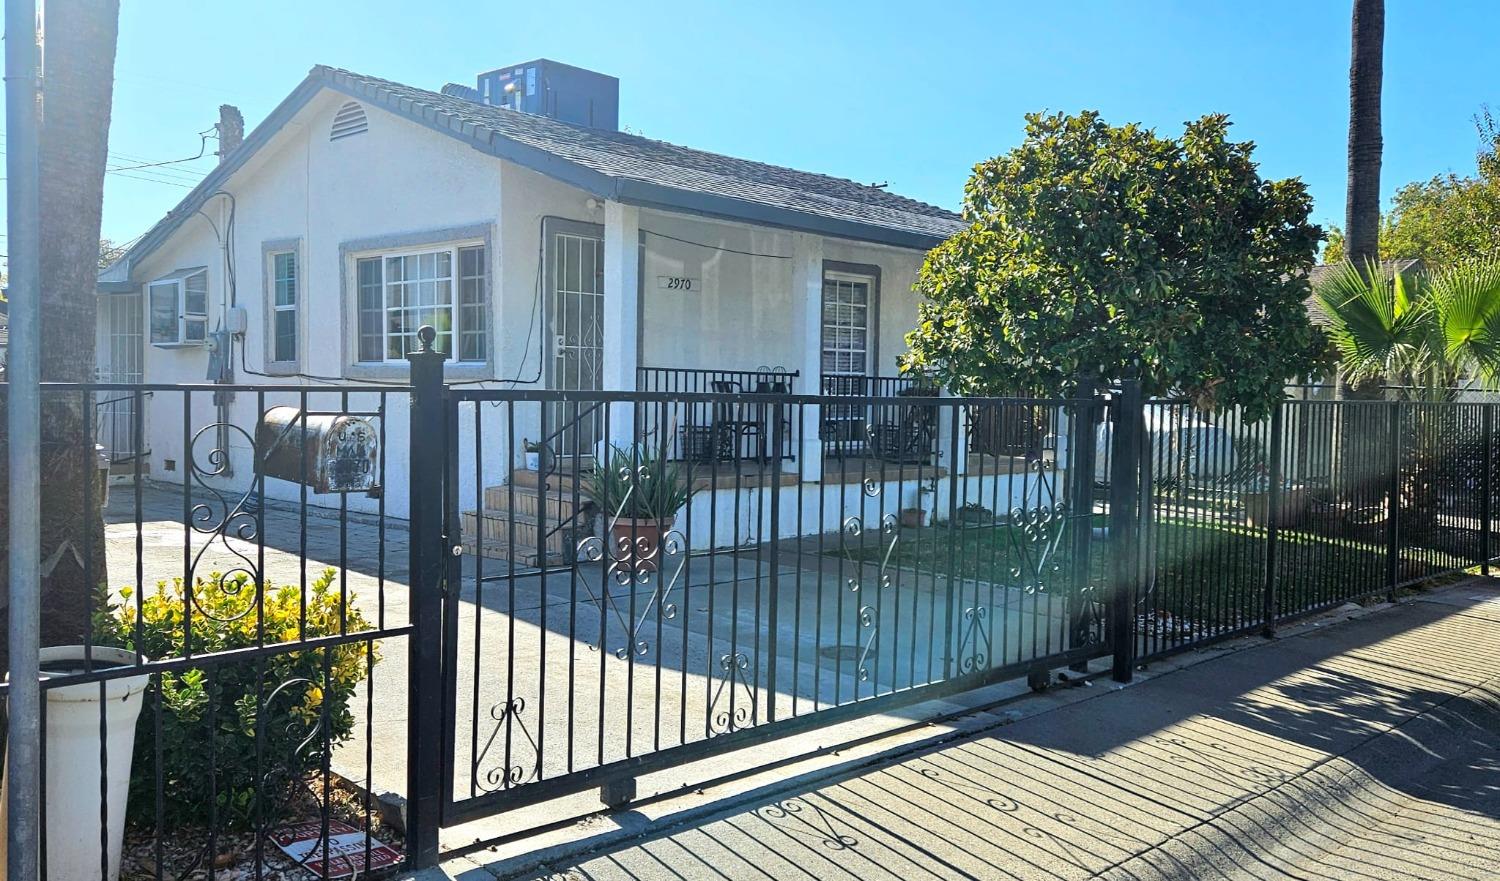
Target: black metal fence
point(597, 635)
point(230, 688)
point(546, 624)
point(1324, 502)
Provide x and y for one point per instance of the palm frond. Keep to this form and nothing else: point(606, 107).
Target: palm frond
point(1467, 300)
point(1381, 329)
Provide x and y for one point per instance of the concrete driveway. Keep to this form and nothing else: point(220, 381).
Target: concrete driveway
point(1367, 749)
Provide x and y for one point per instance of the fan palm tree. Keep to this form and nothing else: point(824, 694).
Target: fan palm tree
point(1428, 333)
point(1366, 72)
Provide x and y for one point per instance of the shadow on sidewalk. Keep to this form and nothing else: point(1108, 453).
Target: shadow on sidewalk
point(1362, 750)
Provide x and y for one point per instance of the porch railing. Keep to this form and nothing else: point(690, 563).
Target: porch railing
point(728, 428)
point(874, 427)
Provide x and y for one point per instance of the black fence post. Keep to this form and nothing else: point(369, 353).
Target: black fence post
point(428, 563)
point(1124, 504)
point(1486, 486)
point(1269, 608)
point(773, 611)
point(1081, 444)
point(1393, 512)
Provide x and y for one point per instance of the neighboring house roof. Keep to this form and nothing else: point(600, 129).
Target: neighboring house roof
point(1324, 271)
point(608, 164)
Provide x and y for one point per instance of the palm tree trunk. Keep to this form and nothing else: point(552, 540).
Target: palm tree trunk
point(1366, 71)
point(1362, 214)
point(78, 78)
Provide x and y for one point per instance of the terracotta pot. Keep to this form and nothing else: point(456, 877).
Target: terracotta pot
point(913, 518)
point(635, 545)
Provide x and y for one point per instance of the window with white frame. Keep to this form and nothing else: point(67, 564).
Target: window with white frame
point(179, 308)
point(285, 294)
point(846, 323)
point(398, 292)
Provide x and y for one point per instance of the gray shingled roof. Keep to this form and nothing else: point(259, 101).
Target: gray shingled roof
point(622, 156)
point(607, 164)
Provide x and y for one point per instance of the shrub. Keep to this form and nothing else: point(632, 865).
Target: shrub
point(210, 727)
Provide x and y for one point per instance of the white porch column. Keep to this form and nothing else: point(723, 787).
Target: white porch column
point(807, 326)
point(622, 296)
point(947, 427)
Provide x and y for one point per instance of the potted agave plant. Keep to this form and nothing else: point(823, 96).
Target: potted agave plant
point(639, 493)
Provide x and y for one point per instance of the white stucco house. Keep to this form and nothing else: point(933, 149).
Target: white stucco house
point(550, 250)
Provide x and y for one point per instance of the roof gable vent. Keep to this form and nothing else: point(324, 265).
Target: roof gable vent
point(349, 121)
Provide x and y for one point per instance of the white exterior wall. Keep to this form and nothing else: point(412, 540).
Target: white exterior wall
point(714, 520)
point(746, 315)
point(400, 180)
point(397, 179)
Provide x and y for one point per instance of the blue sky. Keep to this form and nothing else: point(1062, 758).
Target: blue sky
point(912, 94)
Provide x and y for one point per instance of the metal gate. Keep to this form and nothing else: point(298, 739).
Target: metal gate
point(587, 640)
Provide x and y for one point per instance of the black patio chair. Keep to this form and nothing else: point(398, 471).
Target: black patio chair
point(911, 437)
point(733, 421)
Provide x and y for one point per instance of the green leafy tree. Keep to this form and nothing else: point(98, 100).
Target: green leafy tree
point(1446, 220)
point(1106, 252)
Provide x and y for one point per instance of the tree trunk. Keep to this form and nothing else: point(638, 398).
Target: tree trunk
point(1362, 222)
point(78, 83)
point(1362, 206)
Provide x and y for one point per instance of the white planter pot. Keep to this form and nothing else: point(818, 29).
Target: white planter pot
point(73, 762)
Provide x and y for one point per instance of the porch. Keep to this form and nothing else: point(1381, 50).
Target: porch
point(747, 462)
point(860, 428)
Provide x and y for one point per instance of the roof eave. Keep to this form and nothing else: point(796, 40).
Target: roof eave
point(118, 275)
point(649, 195)
point(211, 184)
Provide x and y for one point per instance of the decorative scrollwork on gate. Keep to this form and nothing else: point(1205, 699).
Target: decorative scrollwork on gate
point(727, 710)
point(225, 516)
point(974, 643)
point(508, 771)
point(851, 534)
point(621, 562)
point(1037, 531)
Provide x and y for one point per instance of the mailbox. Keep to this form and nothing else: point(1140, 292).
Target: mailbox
point(342, 455)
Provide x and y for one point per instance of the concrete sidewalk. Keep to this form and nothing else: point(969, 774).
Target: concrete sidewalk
point(1366, 749)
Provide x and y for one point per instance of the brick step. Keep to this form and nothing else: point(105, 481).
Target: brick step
point(499, 528)
point(523, 555)
point(523, 499)
point(560, 479)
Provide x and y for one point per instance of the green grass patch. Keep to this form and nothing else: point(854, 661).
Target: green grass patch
point(1209, 573)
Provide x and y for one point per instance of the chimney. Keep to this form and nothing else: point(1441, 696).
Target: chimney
point(231, 130)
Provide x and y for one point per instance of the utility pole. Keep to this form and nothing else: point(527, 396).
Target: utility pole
point(23, 422)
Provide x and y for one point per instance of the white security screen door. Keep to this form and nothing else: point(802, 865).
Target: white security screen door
point(124, 348)
point(575, 271)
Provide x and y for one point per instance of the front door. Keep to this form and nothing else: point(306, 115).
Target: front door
point(575, 318)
